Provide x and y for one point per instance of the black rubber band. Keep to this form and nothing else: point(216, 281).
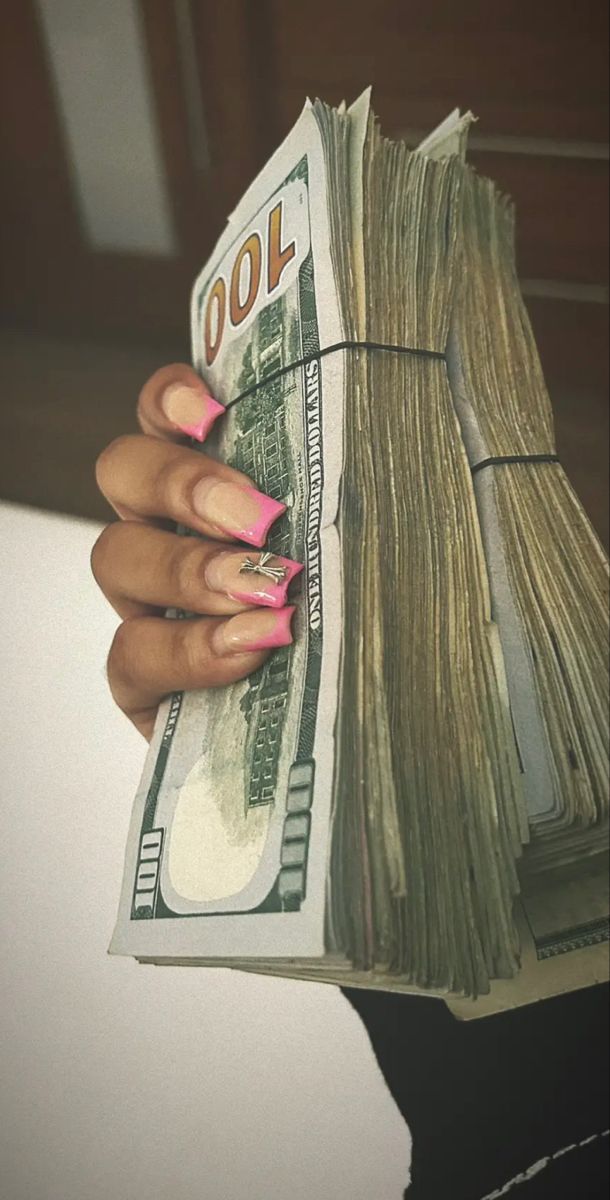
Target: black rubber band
point(302, 362)
point(386, 348)
point(504, 459)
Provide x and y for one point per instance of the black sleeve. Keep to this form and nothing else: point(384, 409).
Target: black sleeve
point(487, 1099)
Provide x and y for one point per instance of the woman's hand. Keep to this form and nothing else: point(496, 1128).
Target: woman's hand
point(152, 481)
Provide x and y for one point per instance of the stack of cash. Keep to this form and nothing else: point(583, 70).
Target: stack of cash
point(414, 794)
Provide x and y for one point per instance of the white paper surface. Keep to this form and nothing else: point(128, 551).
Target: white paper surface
point(127, 1081)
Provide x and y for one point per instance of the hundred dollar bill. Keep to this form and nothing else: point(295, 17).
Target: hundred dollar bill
point(230, 828)
point(411, 796)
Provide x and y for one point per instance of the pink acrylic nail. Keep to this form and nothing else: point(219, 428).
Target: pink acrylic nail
point(280, 635)
point(237, 510)
point(255, 629)
point(200, 430)
point(256, 532)
point(190, 409)
point(266, 591)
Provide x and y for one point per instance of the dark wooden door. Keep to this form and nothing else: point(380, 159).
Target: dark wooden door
point(225, 81)
point(207, 112)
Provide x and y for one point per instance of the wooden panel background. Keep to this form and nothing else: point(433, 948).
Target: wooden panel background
point(536, 70)
point(535, 75)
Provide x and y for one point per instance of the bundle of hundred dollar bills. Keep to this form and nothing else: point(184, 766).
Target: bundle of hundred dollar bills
point(413, 796)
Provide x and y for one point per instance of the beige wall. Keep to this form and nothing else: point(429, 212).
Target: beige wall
point(119, 1081)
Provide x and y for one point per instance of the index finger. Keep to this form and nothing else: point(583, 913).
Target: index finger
point(175, 403)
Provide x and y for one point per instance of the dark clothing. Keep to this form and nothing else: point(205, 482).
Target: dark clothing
point(487, 1099)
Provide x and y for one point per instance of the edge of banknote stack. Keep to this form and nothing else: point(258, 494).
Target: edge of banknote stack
point(414, 795)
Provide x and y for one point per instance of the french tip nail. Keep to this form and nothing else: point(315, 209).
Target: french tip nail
point(281, 634)
point(285, 616)
point(249, 632)
point(270, 510)
point(215, 406)
point(291, 570)
point(201, 428)
point(263, 592)
point(191, 410)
